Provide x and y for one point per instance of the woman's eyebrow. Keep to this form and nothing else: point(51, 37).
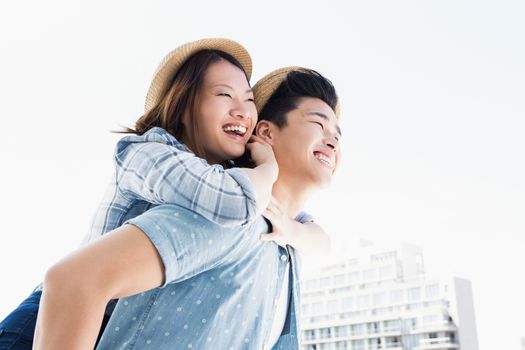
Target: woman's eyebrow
point(223, 85)
point(325, 117)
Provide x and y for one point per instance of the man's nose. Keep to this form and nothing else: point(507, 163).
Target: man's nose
point(332, 142)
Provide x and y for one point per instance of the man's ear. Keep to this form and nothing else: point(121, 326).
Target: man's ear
point(265, 130)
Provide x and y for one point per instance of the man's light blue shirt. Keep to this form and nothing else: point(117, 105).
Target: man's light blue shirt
point(155, 168)
point(220, 292)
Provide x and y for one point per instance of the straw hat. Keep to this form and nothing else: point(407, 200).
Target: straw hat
point(267, 85)
point(176, 58)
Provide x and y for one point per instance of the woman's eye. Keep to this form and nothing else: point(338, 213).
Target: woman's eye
point(251, 100)
point(224, 94)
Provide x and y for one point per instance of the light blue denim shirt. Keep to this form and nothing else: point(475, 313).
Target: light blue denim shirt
point(155, 168)
point(220, 292)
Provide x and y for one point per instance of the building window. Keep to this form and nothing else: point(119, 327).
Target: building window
point(325, 282)
point(358, 329)
point(348, 303)
point(309, 334)
point(317, 308)
point(432, 291)
point(410, 324)
point(326, 333)
point(374, 343)
point(342, 345)
point(392, 326)
point(353, 277)
point(392, 342)
point(310, 284)
point(370, 274)
point(372, 327)
point(430, 320)
point(386, 272)
point(414, 293)
point(332, 306)
point(363, 301)
point(339, 280)
point(358, 344)
point(396, 296)
point(306, 309)
point(419, 260)
point(342, 331)
point(379, 299)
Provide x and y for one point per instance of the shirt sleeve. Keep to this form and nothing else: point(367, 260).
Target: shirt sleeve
point(163, 174)
point(186, 242)
point(304, 217)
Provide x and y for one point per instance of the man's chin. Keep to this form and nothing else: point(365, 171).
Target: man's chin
point(326, 184)
point(323, 181)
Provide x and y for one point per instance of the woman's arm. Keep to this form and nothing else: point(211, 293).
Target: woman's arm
point(156, 168)
point(77, 288)
point(265, 172)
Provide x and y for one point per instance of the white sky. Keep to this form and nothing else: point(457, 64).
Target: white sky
point(433, 124)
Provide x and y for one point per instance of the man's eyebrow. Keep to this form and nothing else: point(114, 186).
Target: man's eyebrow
point(325, 117)
point(229, 87)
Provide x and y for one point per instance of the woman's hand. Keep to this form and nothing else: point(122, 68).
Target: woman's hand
point(283, 228)
point(265, 172)
point(260, 151)
point(307, 238)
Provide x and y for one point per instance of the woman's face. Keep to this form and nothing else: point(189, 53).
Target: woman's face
point(226, 114)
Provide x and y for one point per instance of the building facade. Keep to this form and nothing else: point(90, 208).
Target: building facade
point(380, 299)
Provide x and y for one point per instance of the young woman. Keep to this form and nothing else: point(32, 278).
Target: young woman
point(199, 115)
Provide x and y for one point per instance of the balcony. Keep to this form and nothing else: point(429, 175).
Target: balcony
point(436, 343)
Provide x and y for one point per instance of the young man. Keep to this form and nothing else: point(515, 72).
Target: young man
point(219, 288)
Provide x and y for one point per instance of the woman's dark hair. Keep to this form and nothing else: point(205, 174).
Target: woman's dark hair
point(182, 97)
point(298, 84)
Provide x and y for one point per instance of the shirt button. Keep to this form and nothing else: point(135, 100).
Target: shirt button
point(284, 257)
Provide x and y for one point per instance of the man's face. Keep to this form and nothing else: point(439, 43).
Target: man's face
point(307, 148)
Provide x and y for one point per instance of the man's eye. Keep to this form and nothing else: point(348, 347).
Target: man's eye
point(320, 124)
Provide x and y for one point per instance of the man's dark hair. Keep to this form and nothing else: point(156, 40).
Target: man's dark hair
point(296, 85)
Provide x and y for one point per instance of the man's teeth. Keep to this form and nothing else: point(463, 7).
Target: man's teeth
point(239, 129)
point(324, 159)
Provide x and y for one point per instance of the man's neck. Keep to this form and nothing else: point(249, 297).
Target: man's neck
point(291, 195)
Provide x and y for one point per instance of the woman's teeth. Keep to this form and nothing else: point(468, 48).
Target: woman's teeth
point(238, 129)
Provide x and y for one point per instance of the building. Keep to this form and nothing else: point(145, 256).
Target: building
point(380, 299)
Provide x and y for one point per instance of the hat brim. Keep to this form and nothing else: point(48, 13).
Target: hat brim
point(176, 58)
point(266, 86)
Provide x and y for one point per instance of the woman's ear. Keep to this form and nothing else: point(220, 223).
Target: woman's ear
point(264, 129)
